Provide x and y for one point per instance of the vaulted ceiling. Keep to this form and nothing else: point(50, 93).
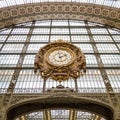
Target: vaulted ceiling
point(105, 11)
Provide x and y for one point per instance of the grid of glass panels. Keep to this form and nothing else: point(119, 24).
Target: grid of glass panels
point(60, 114)
point(19, 46)
point(114, 77)
point(5, 78)
point(28, 82)
point(17, 38)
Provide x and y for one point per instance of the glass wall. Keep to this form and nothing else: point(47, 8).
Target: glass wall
point(18, 46)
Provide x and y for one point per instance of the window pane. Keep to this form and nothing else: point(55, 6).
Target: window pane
point(41, 31)
point(12, 48)
point(28, 82)
point(60, 37)
point(20, 31)
point(28, 61)
point(77, 23)
point(114, 78)
point(17, 38)
point(91, 61)
point(5, 78)
point(111, 60)
point(59, 31)
point(86, 48)
point(39, 38)
point(83, 38)
point(107, 48)
point(8, 60)
point(42, 23)
point(100, 38)
point(78, 31)
point(99, 31)
point(91, 82)
point(59, 23)
point(5, 31)
point(116, 38)
point(3, 38)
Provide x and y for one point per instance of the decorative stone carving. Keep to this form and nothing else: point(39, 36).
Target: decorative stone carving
point(97, 11)
point(89, 10)
point(14, 12)
point(82, 9)
point(37, 9)
point(104, 15)
point(30, 10)
point(105, 12)
point(6, 14)
point(113, 14)
point(21, 11)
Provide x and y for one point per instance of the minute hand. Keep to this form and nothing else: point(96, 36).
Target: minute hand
point(62, 56)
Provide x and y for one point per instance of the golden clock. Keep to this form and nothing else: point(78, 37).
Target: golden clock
point(60, 56)
point(60, 61)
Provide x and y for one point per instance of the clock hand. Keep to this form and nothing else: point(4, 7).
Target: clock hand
point(60, 56)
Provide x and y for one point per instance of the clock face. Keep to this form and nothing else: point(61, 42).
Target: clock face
point(60, 57)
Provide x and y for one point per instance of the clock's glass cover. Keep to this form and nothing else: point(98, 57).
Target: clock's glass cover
point(60, 57)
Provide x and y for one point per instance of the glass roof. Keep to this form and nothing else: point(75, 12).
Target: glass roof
point(111, 3)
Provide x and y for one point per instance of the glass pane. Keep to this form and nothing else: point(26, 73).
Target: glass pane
point(17, 38)
point(91, 61)
point(107, 48)
point(20, 31)
point(114, 31)
point(5, 78)
point(116, 38)
point(78, 31)
point(114, 78)
point(111, 60)
point(99, 31)
point(3, 38)
point(6, 31)
point(91, 82)
point(59, 23)
point(60, 37)
point(28, 82)
point(41, 31)
point(42, 23)
point(34, 48)
point(76, 23)
point(86, 48)
point(83, 38)
point(8, 60)
point(12, 48)
point(39, 38)
point(101, 38)
point(28, 61)
point(59, 31)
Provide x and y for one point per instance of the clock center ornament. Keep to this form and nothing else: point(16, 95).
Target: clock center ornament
point(60, 61)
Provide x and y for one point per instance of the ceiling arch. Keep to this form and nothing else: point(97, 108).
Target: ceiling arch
point(60, 102)
point(59, 10)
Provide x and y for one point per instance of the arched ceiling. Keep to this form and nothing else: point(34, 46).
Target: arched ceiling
point(111, 3)
point(55, 103)
point(59, 10)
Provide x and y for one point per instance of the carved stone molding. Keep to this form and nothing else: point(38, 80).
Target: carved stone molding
point(57, 99)
point(42, 11)
point(101, 98)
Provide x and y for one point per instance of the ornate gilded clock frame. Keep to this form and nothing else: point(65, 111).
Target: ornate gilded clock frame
point(60, 73)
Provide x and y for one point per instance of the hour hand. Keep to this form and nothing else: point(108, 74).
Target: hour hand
point(60, 56)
